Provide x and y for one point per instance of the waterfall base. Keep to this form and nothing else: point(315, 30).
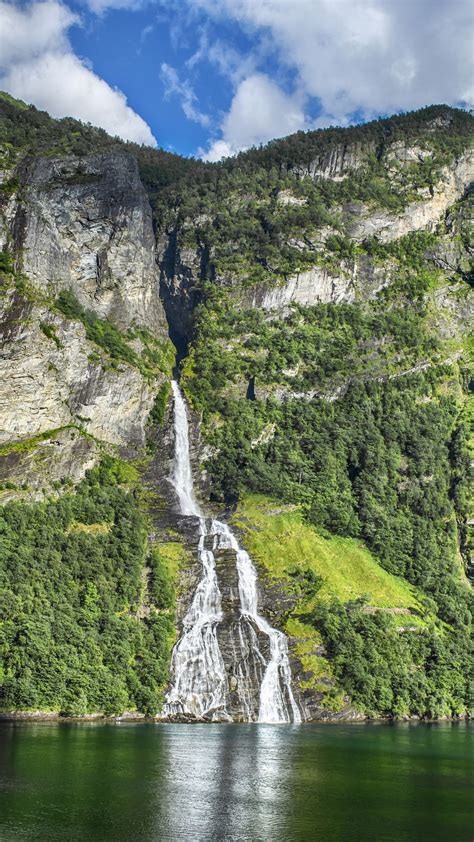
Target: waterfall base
point(229, 663)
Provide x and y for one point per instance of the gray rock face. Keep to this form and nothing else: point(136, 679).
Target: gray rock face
point(180, 269)
point(352, 280)
point(361, 278)
point(86, 224)
point(337, 163)
point(419, 215)
point(83, 224)
point(35, 473)
point(358, 278)
point(47, 383)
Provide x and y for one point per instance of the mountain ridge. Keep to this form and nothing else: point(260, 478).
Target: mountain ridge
point(320, 314)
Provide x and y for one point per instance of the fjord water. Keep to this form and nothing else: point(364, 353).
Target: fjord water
point(198, 674)
point(230, 782)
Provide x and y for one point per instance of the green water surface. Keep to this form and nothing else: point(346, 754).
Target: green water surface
point(403, 783)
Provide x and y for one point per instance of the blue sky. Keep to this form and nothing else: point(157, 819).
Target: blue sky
point(211, 77)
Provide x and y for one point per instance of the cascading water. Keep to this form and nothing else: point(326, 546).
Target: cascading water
point(276, 695)
point(199, 680)
point(199, 683)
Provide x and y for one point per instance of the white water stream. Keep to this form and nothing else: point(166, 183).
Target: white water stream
point(199, 683)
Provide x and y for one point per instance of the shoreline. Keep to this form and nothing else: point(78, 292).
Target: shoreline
point(134, 717)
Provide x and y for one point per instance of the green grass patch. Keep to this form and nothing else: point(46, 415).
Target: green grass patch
point(156, 357)
point(28, 444)
point(102, 528)
point(284, 544)
point(17, 103)
point(173, 555)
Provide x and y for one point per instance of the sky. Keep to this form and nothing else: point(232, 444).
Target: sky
point(208, 78)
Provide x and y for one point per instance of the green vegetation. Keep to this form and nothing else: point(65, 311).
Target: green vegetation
point(353, 416)
point(384, 647)
point(318, 347)
point(7, 188)
point(27, 444)
point(386, 670)
point(157, 414)
point(287, 547)
point(156, 357)
point(236, 217)
point(49, 331)
point(232, 213)
point(82, 627)
point(25, 128)
point(173, 558)
point(6, 262)
point(377, 463)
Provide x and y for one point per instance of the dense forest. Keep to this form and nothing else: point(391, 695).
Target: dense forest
point(386, 462)
point(86, 605)
point(357, 413)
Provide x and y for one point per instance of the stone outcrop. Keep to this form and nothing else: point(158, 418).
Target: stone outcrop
point(337, 162)
point(349, 280)
point(180, 269)
point(82, 224)
point(423, 214)
point(85, 224)
point(33, 474)
point(360, 278)
point(52, 382)
point(355, 279)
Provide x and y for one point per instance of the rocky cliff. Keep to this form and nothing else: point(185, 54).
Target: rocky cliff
point(414, 189)
point(82, 225)
point(318, 295)
point(85, 224)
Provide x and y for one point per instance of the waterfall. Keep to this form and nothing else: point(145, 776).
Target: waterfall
point(199, 683)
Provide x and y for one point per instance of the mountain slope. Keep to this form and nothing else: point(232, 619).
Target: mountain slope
point(318, 292)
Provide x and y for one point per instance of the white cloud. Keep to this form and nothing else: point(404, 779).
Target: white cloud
point(217, 150)
point(260, 110)
point(366, 56)
point(42, 28)
point(37, 64)
point(228, 61)
point(99, 7)
point(184, 92)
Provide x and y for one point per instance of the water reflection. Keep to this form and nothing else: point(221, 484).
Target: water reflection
point(236, 783)
point(233, 774)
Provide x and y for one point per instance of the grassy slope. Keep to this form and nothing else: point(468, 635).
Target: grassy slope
point(283, 543)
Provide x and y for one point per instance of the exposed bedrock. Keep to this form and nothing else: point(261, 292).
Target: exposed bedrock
point(86, 224)
point(337, 163)
point(82, 224)
point(52, 382)
point(424, 214)
point(180, 270)
point(359, 278)
point(32, 474)
point(354, 280)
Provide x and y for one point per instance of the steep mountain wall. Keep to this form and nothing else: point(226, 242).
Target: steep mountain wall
point(329, 356)
point(83, 225)
point(302, 267)
point(319, 294)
